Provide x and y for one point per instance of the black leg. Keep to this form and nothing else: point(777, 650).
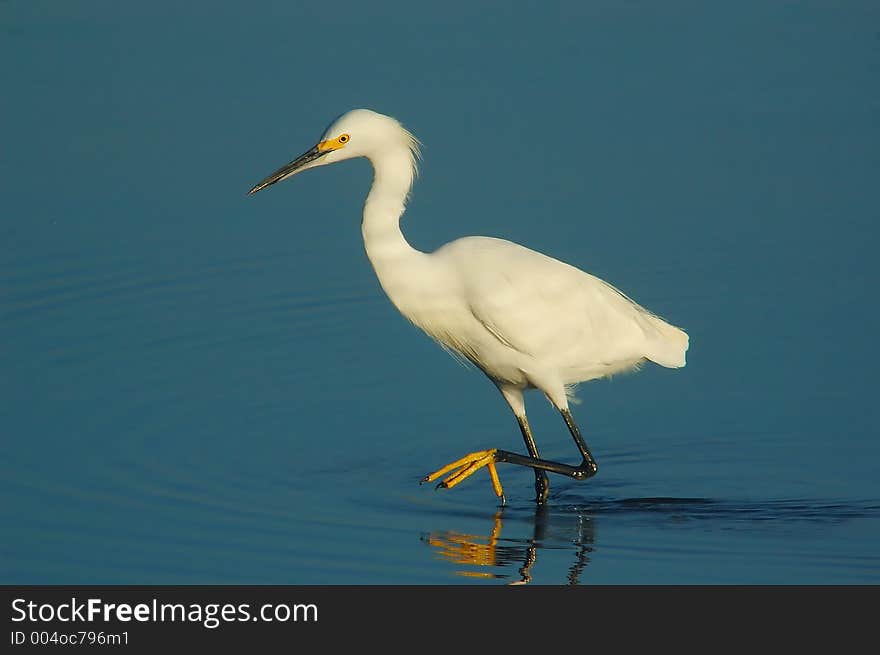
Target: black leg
point(589, 463)
point(587, 468)
point(542, 482)
point(581, 472)
point(467, 465)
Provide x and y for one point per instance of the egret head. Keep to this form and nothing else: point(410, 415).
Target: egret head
point(357, 133)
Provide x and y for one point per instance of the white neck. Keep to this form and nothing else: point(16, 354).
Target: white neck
point(392, 257)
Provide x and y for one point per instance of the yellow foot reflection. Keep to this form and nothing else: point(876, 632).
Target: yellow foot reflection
point(485, 554)
point(465, 467)
point(469, 549)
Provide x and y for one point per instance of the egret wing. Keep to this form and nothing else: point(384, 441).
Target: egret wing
point(549, 310)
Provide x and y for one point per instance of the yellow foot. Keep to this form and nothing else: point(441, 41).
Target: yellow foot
point(465, 467)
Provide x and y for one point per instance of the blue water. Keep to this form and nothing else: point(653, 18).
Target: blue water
point(200, 387)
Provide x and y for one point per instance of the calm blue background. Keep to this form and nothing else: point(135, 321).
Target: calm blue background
point(201, 387)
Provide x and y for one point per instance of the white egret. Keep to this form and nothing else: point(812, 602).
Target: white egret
point(528, 321)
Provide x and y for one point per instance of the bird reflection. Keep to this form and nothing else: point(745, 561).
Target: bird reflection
point(490, 556)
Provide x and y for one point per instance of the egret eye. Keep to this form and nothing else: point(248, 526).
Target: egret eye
point(343, 139)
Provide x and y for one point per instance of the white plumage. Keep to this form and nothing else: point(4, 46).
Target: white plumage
point(525, 319)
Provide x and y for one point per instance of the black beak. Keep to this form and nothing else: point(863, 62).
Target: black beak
point(289, 169)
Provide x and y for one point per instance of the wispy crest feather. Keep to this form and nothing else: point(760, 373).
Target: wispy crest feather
point(415, 152)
